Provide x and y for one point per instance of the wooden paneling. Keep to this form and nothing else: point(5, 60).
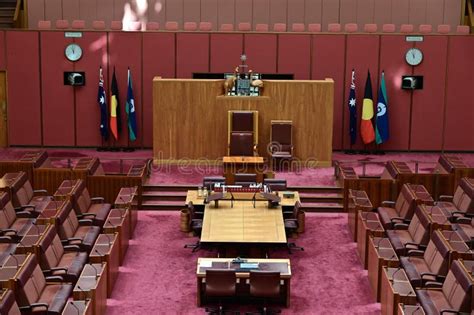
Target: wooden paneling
point(108, 186)
point(309, 104)
point(3, 111)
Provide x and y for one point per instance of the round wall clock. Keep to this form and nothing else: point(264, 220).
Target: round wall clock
point(73, 52)
point(414, 56)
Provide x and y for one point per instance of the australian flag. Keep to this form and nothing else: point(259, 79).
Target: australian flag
point(352, 110)
point(102, 100)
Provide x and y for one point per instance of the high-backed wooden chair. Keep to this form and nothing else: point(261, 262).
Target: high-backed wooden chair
point(242, 133)
point(281, 141)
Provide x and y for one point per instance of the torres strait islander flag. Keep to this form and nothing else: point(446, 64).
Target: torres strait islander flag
point(366, 127)
point(381, 121)
point(130, 109)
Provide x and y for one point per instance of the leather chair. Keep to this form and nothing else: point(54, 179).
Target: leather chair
point(8, 303)
point(171, 26)
point(220, 283)
point(87, 207)
point(455, 295)
point(281, 140)
point(25, 198)
point(275, 184)
point(265, 285)
point(245, 179)
point(195, 225)
point(430, 265)
point(76, 232)
point(241, 144)
point(209, 181)
point(314, 27)
point(98, 25)
point(416, 236)
point(291, 227)
point(466, 231)
point(5, 250)
point(242, 133)
point(152, 26)
point(55, 259)
point(261, 27)
point(12, 227)
point(35, 295)
point(244, 27)
point(44, 25)
point(401, 211)
point(462, 203)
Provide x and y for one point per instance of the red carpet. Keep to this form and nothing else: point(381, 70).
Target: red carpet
point(158, 276)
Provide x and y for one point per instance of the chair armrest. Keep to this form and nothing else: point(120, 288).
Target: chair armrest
point(57, 269)
point(6, 239)
point(54, 279)
point(98, 199)
point(433, 284)
point(463, 220)
point(400, 226)
point(428, 274)
point(449, 311)
point(85, 222)
point(24, 214)
point(397, 219)
point(40, 191)
point(21, 208)
point(71, 248)
point(86, 215)
point(291, 220)
point(415, 252)
point(34, 305)
point(445, 198)
point(66, 241)
point(412, 244)
point(388, 203)
point(3, 231)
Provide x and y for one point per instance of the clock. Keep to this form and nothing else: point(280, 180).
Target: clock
point(414, 56)
point(73, 52)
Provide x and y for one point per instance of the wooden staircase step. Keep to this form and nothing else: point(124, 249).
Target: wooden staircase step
point(322, 207)
point(159, 187)
point(316, 189)
point(162, 205)
point(164, 195)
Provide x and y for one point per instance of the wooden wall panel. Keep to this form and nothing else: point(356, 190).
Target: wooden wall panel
point(243, 12)
point(192, 54)
point(261, 12)
point(365, 12)
point(383, 12)
point(157, 11)
point(434, 13)
point(53, 10)
point(87, 11)
point(105, 11)
point(417, 12)
point(348, 12)
point(278, 12)
point(225, 52)
point(35, 12)
point(313, 11)
point(70, 9)
point(294, 55)
point(174, 11)
point(197, 101)
point(452, 12)
point(400, 12)
point(209, 12)
point(225, 12)
point(121, 7)
point(3, 60)
point(261, 51)
point(192, 11)
point(330, 13)
point(296, 12)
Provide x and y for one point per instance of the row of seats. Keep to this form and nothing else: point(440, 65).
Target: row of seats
point(246, 27)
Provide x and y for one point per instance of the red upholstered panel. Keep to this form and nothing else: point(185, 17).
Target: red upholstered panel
point(225, 52)
point(174, 11)
point(451, 12)
point(400, 12)
point(23, 108)
point(105, 11)
point(459, 109)
point(191, 11)
point(70, 10)
point(53, 10)
point(294, 55)
point(392, 61)
point(125, 51)
point(159, 56)
point(261, 12)
point(226, 12)
point(192, 54)
point(57, 98)
point(119, 9)
point(87, 11)
point(330, 13)
point(428, 104)
point(296, 12)
point(87, 108)
point(365, 12)
point(361, 60)
point(3, 63)
point(157, 11)
point(348, 11)
point(417, 13)
point(243, 12)
point(382, 12)
point(209, 12)
point(434, 12)
point(261, 51)
point(278, 11)
point(313, 13)
point(35, 12)
point(328, 62)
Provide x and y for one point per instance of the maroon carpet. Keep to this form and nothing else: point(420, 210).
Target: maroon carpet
point(158, 276)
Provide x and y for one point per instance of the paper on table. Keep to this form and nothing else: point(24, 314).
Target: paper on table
point(206, 263)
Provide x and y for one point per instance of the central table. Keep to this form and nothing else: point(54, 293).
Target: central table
point(243, 223)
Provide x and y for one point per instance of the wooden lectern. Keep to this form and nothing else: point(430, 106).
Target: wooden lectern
point(242, 164)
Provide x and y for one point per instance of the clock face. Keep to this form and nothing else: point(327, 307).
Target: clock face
point(73, 52)
point(414, 57)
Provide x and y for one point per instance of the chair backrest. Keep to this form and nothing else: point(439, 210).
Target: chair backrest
point(205, 26)
point(464, 196)
point(297, 27)
point(457, 288)
point(190, 26)
point(8, 303)
point(261, 27)
point(463, 29)
point(425, 28)
point(44, 25)
point(210, 181)
point(152, 26)
point(226, 27)
point(31, 283)
point(279, 27)
point(171, 26)
point(244, 26)
point(62, 24)
point(388, 28)
point(351, 27)
point(98, 25)
point(192, 215)
point(116, 25)
point(220, 282)
point(334, 27)
point(406, 202)
point(275, 184)
point(81, 198)
point(419, 227)
point(406, 28)
point(444, 29)
point(51, 250)
point(78, 24)
point(241, 144)
point(134, 26)
point(7, 212)
point(242, 121)
point(314, 27)
point(370, 28)
point(264, 284)
point(436, 254)
point(68, 222)
point(281, 135)
point(22, 192)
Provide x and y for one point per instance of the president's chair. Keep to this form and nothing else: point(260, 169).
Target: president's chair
point(281, 141)
point(242, 133)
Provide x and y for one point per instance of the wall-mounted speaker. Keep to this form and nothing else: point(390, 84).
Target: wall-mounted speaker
point(74, 78)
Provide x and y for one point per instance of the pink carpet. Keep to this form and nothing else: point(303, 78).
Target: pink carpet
point(158, 275)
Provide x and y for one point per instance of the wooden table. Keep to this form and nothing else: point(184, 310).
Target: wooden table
point(106, 249)
point(368, 225)
point(192, 196)
point(395, 288)
point(92, 286)
point(358, 201)
point(380, 253)
point(459, 249)
point(410, 309)
point(118, 222)
point(281, 265)
point(10, 269)
point(242, 164)
point(243, 223)
point(29, 242)
point(127, 198)
point(52, 211)
point(67, 188)
point(78, 308)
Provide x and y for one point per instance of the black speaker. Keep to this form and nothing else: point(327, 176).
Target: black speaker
point(74, 78)
point(412, 82)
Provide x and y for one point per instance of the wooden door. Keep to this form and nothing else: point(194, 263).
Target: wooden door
point(3, 110)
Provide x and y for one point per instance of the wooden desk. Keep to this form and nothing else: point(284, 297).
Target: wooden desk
point(92, 286)
point(10, 269)
point(281, 265)
point(380, 253)
point(458, 248)
point(127, 198)
point(51, 212)
point(438, 217)
point(106, 249)
point(67, 188)
point(242, 164)
point(192, 196)
point(118, 222)
point(358, 201)
point(368, 225)
point(29, 242)
point(78, 308)
point(410, 309)
point(243, 223)
point(395, 288)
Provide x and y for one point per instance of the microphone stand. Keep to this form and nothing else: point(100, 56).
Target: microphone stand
point(231, 199)
point(254, 200)
point(17, 263)
point(77, 309)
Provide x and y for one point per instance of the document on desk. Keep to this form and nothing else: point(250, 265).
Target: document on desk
point(249, 265)
point(206, 264)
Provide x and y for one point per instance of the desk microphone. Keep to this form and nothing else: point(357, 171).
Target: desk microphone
point(254, 199)
point(36, 227)
point(393, 274)
point(125, 203)
point(99, 253)
point(96, 271)
point(378, 243)
point(77, 309)
point(232, 199)
point(113, 225)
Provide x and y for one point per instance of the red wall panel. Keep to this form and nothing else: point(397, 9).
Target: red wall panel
point(191, 11)
point(295, 12)
point(452, 12)
point(159, 58)
point(57, 98)
point(278, 12)
point(105, 11)
point(125, 50)
point(226, 50)
point(35, 13)
point(330, 13)
point(157, 11)
point(361, 60)
point(225, 12)
point(24, 109)
point(87, 112)
point(428, 104)
point(392, 61)
point(3, 61)
point(417, 13)
point(53, 10)
point(192, 54)
point(174, 11)
point(87, 11)
point(70, 9)
point(365, 12)
point(382, 12)
point(459, 118)
point(261, 12)
point(243, 12)
point(434, 13)
point(313, 11)
point(119, 8)
point(261, 51)
point(209, 12)
point(400, 12)
point(328, 62)
point(348, 11)
point(294, 54)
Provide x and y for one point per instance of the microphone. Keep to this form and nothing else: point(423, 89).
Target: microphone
point(393, 275)
point(77, 309)
point(418, 308)
point(378, 243)
point(99, 253)
point(254, 200)
point(96, 271)
point(17, 263)
point(124, 202)
point(36, 226)
point(113, 225)
point(232, 199)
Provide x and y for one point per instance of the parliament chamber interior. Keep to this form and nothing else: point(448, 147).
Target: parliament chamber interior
point(236, 157)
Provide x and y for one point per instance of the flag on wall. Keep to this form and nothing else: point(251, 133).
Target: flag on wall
point(366, 126)
point(130, 109)
point(352, 110)
point(115, 124)
point(102, 100)
point(381, 120)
